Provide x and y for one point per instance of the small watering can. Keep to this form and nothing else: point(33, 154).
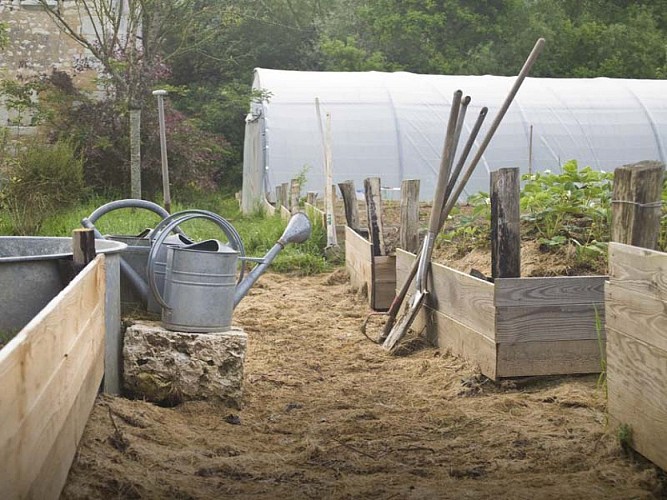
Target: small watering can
point(200, 288)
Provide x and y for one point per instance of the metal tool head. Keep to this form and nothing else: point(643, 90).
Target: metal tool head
point(401, 328)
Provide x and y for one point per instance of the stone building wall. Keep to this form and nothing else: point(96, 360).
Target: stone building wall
point(37, 46)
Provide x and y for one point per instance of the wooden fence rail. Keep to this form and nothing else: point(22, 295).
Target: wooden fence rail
point(50, 374)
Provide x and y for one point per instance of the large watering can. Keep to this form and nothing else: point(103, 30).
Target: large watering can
point(200, 286)
point(134, 280)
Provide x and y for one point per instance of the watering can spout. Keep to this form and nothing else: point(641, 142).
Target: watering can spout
point(297, 231)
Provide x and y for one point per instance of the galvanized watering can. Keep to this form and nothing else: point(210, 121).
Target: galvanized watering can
point(200, 285)
point(134, 278)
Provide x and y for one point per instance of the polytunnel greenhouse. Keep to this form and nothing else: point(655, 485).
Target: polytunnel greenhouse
point(392, 125)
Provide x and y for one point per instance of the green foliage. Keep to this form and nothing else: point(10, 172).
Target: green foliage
point(258, 233)
point(571, 207)
point(42, 179)
point(101, 130)
point(470, 228)
point(624, 435)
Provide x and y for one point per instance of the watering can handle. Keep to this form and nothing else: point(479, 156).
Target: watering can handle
point(229, 230)
point(174, 221)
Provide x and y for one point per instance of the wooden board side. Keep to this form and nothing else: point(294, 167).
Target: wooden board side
point(565, 357)
point(56, 354)
point(463, 298)
point(464, 342)
point(549, 323)
point(552, 291)
point(637, 315)
point(384, 282)
point(358, 260)
point(637, 393)
point(638, 269)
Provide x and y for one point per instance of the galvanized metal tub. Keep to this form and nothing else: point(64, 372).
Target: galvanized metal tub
point(31, 275)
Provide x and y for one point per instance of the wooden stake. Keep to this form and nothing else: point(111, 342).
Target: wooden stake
point(374, 210)
point(83, 248)
point(636, 204)
point(350, 201)
point(284, 199)
point(505, 223)
point(311, 197)
point(409, 230)
point(295, 191)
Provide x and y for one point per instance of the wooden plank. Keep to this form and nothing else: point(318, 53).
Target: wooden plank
point(460, 296)
point(384, 282)
point(505, 223)
point(314, 213)
point(408, 238)
point(358, 257)
point(285, 214)
point(637, 393)
point(349, 194)
point(638, 269)
point(294, 194)
point(637, 315)
point(464, 342)
point(553, 291)
point(42, 372)
point(269, 209)
point(53, 475)
point(564, 357)
point(374, 214)
point(548, 323)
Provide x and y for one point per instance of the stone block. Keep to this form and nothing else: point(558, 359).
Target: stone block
point(168, 367)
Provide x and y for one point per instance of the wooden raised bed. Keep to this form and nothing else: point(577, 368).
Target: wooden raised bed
point(514, 327)
point(636, 309)
point(373, 273)
point(50, 373)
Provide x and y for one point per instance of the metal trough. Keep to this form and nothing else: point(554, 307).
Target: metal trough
point(30, 276)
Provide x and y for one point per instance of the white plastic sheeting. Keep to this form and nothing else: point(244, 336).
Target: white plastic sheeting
point(392, 125)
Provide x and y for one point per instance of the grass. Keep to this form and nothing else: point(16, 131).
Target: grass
point(258, 233)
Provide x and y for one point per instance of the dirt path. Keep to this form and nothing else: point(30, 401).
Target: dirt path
point(330, 415)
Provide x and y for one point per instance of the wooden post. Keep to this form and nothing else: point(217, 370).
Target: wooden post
point(294, 192)
point(374, 211)
point(409, 231)
point(311, 197)
point(505, 224)
point(350, 201)
point(278, 200)
point(636, 204)
point(83, 248)
point(284, 199)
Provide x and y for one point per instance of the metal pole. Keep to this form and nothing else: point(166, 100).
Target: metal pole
point(163, 148)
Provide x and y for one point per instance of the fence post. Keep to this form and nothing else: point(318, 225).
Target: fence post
point(505, 223)
point(408, 235)
point(295, 191)
point(350, 201)
point(636, 204)
point(284, 199)
point(311, 197)
point(374, 210)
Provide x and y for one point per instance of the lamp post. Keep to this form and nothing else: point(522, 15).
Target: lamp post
point(163, 148)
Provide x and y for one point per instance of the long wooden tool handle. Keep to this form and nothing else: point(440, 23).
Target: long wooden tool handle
point(464, 156)
point(400, 297)
point(445, 163)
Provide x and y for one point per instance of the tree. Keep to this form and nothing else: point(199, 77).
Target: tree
point(128, 38)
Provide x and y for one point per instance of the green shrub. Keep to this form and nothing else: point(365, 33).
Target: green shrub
point(41, 179)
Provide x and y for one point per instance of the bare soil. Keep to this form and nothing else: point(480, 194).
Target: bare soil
point(328, 414)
